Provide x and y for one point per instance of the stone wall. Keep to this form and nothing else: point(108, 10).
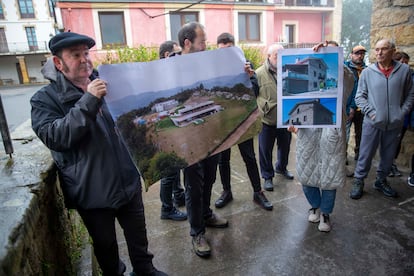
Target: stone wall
point(39, 236)
point(394, 20)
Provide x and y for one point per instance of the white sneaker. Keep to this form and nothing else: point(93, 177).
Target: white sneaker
point(324, 223)
point(314, 215)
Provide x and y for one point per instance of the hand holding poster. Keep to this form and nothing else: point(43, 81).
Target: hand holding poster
point(177, 111)
point(309, 86)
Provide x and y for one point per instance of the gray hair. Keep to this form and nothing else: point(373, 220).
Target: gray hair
point(273, 48)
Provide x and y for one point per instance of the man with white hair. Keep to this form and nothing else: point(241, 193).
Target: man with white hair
point(267, 105)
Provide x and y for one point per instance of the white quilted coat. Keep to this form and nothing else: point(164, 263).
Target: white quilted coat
point(320, 152)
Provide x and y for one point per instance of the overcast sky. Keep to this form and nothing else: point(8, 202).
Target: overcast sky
point(131, 78)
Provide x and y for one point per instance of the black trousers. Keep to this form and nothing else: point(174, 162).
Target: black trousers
point(101, 227)
point(247, 152)
point(198, 180)
point(170, 186)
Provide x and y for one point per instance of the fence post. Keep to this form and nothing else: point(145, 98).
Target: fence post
point(5, 134)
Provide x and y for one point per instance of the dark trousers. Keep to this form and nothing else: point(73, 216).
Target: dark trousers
point(198, 181)
point(247, 152)
point(357, 121)
point(400, 138)
point(170, 186)
point(267, 138)
point(101, 227)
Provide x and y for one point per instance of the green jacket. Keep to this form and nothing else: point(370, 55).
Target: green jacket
point(267, 97)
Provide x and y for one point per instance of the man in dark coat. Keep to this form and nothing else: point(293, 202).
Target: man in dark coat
point(98, 176)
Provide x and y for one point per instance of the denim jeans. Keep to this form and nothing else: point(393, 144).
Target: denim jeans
point(318, 198)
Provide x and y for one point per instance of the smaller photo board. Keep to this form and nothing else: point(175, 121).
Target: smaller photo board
point(309, 87)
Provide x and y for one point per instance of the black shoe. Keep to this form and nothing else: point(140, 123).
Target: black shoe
point(260, 199)
point(156, 272)
point(394, 171)
point(286, 174)
point(357, 189)
point(410, 180)
point(174, 214)
point(226, 197)
point(268, 185)
point(382, 186)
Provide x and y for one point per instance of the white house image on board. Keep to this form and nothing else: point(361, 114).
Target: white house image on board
point(189, 113)
point(310, 112)
point(304, 75)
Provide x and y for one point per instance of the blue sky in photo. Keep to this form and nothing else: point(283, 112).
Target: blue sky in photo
point(331, 59)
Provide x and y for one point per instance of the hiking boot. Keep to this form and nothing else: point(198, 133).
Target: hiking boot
point(225, 197)
point(268, 185)
point(410, 180)
point(382, 186)
point(314, 215)
point(174, 214)
point(201, 246)
point(324, 223)
point(394, 171)
point(216, 222)
point(349, 173)
point(357, 189)
point(260, 199)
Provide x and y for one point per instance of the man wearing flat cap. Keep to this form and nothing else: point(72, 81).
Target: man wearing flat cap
point(96, 172)
point(354, 116)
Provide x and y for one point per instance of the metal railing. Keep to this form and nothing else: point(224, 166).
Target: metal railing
point(23, 47)
point(306, 3)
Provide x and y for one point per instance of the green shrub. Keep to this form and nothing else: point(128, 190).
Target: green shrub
point(255, 55)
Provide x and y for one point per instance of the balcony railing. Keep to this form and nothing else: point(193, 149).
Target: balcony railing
point(23, 47)
point(306, 3)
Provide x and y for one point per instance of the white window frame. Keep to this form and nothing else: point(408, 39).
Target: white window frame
point(201, 20)
point(262, 27)
point(296, 35)
point(127, 23)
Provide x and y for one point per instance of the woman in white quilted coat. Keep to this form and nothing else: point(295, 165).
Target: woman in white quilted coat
point(320, 163)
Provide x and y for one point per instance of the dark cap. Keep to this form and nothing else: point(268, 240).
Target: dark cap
point(68, 39)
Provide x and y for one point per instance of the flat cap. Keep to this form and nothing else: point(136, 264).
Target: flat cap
point(358, 48)
point(68, 39)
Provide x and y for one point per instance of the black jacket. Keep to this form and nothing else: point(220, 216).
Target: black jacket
point(94, 165)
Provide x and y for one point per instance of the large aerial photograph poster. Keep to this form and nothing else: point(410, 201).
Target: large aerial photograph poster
point(310, 87)
point(177, 111)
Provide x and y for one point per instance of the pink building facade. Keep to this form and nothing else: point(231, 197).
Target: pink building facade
point(294, 23)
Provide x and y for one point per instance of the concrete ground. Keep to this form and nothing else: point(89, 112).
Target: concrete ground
point(370, 236)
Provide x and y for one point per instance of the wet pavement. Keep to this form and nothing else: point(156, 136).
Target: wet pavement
point(370, 236)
